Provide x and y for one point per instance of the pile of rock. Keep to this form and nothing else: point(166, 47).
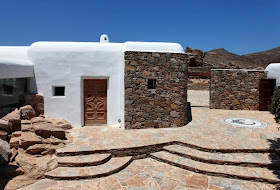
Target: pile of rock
point(40, 135)
point(28, 140)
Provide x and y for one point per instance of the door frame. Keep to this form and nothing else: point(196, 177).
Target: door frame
point(82, 97)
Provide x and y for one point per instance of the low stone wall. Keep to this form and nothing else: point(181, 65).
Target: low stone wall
point(235, 89)
point(165, 106)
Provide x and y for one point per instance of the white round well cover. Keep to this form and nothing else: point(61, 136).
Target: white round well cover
point(243, 122)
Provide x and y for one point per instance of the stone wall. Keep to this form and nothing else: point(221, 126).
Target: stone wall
point(166, 106)
point(235, 89)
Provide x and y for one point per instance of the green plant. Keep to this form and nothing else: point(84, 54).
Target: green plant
point(274, 106)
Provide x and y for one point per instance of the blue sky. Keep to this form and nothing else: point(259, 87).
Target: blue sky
point(240, 26)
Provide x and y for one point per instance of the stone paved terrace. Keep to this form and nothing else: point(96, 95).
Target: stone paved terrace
point(205, 154)
point(205, 131)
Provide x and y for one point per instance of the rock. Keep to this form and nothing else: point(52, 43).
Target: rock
point(14, 118)
point(5, 125)
point(36, 101)
point(16, 134)
point(40, 120)
point(14, 142)
point(39, 108)
point(28, 139)
point(45, 130)
point(5, 152)
point(14, 154)
point(36, 166)
point(26, 126)
point(55, 141)
point(174, 114)
point(3, 135)
point(36, 149)
point(60, 123)
point(27, 112)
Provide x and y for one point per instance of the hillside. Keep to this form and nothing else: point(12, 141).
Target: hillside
point(221, 57)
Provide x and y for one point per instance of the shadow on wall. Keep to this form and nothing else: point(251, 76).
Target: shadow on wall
point(275, 157)
point(189, 113)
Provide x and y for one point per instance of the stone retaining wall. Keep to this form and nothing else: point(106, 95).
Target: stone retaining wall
point(166, 106)
point(235, 89)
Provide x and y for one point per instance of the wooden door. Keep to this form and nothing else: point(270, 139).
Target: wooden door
point(95, 101)
point(266, 89)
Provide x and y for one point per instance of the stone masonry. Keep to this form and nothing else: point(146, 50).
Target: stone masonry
point(165, 106)
point(235, 89)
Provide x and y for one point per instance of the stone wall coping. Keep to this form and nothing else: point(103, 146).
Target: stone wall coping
point(246, 70)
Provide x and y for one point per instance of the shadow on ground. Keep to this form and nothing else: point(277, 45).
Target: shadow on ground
point(275, 157)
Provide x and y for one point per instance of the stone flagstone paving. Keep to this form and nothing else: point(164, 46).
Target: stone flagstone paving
point(205, 131)
point(149, 174)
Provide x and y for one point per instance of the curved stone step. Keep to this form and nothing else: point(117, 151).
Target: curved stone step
point(83, 160)
point(245, 173)
point(241, 159)
point(74, 150)
point(112, 166)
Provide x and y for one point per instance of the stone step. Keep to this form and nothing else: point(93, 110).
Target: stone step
point(244, 173)
point(242, 159)
point(112, 166)
point(74, 150)
point(83, 160)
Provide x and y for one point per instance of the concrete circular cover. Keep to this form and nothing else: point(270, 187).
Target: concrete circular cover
point(243, 122)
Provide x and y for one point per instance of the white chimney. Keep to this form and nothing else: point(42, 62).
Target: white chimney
point(104, 38)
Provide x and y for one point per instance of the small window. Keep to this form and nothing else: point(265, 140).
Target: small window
point(7, 89)
point(59, 91)
point(151, 83)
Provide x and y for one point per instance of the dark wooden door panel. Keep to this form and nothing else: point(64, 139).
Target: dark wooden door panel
point(266, 89)
point(95, 101)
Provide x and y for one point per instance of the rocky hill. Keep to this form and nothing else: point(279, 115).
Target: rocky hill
point(259, 60)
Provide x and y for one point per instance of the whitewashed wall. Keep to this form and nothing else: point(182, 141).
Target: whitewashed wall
point(67, 64)
point(273, 72)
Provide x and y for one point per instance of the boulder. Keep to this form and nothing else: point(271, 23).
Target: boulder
point(28, 139)
point(5, 125)
point(36, 166)
point(4, 135)
point(39, 108)
point(14, 142)
point(16, 134)
point(60, 123)
point(26, 126)
point(36, 101)
point(46, 130)
point(5, 152)
point(54, 140)
point(36, 148)
point(14, 118)
point(36, 120)
point(27, 112)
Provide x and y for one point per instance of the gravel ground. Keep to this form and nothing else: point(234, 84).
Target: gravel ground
point(198, 97)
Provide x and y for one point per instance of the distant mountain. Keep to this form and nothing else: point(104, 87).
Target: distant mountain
point(259, 60)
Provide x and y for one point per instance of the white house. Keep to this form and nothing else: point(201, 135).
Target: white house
point(61, 70)
point(273, 72)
